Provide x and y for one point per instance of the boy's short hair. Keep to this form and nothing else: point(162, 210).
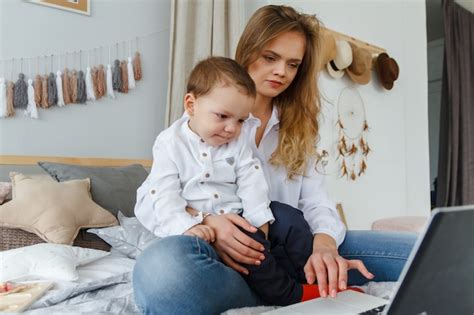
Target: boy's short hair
point(208, 73)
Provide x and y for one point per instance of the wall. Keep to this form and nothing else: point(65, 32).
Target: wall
point(124, 127)
point(397, 179)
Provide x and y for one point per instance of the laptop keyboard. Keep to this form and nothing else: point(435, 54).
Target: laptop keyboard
point(377, 310)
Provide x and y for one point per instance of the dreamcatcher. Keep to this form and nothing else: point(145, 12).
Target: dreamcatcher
point(352, 147)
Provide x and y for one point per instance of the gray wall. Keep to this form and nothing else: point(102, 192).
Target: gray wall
point(121, 128)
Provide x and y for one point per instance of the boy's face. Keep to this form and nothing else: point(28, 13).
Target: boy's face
point(218, 116)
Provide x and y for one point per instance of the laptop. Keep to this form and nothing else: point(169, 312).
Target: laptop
point(438, 277)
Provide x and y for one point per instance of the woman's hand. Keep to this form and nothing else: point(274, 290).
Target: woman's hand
point(231, 244)
point(202, 231)
point(328, 268)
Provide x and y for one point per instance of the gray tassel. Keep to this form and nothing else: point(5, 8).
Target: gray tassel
point(52, 90)
point(20, 92)
point(81, 88)
point(117, 76)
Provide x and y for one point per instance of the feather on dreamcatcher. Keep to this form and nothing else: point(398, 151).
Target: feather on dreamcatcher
point(352, 146)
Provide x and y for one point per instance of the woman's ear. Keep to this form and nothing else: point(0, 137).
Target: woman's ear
point(189, 102)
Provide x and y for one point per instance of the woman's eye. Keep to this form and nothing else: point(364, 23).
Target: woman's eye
point(269, 58)
point(294, 65)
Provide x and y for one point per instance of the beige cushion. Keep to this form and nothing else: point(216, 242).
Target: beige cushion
point(53, 211)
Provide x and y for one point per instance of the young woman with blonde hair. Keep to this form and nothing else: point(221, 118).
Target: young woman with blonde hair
point(184, 275)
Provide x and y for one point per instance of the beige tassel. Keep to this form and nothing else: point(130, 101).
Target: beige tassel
point(366, 126)
point(95, 85)
point(38, 86)
point(343, 169)
point(73, 85)
point(44, 93)
point(66, 87)
point(123, 66)
point(363, 167)
point(137, 67)
point(353, 149)
point(101, 89)
point(339, 123)
point(353, 175)
point(10, 108)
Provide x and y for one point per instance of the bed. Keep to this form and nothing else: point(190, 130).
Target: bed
point(98, 266)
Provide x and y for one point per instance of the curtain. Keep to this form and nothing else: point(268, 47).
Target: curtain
point(199, 28)
point(456, 148)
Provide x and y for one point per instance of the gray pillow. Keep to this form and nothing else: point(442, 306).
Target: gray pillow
point(130, 237)
point(113, 188)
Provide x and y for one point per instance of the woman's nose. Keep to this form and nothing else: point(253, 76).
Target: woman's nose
point(280, 68)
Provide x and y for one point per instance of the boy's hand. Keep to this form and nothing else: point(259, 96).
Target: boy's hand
point(202, 231)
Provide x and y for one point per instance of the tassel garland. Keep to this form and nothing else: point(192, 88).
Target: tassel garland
point(31, 109)
point(131, 75)
point(123, 66)
point(137, 67)
point(59, 86)
point(20, 97)
point(10, 108)
point(66, 87)
point(72, 86)
point(89, 87)
point(52, 90)
point(81, 88)
point(38, 89)
point(3, 99)
point(110, 87)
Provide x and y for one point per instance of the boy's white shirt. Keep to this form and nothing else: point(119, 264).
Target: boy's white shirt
point(188, 172)
point(306, 193)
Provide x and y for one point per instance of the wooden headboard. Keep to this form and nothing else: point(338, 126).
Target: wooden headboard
point(85, 161)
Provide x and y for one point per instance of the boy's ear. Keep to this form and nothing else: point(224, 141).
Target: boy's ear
point(189, 102)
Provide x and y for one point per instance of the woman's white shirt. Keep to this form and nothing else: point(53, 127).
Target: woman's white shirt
point(306, 193)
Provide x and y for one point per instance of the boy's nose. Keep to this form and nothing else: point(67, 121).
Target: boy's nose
point(230, 128)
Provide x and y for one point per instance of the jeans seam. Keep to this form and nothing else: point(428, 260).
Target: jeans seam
point(198, 246)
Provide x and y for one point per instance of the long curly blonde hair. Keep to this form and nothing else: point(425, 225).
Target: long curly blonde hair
point(299, 105)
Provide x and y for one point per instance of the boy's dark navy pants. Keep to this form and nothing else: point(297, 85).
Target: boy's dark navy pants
point(278, 280)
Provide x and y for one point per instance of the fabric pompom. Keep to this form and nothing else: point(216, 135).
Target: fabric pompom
point(117, 76)
point(31, 110)
point(94, 73)
point(89, 85)
point(10, 108)
point(38, 89)
point(81, 88)
point(131, 75)
point(123, 66)
point(66, 87)
point(20, 96)
point(59, 86)
point(3, 98)
point(110, 87)
point(73, 85)
point(52, 90)
point(137, 67)
point(44, 92)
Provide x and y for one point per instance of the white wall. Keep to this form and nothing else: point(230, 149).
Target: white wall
point(124, 127)
point(397, 178)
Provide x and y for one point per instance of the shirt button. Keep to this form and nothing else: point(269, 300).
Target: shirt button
point(153, 191)
point(216, 196)
point(207, 175)
point(201, 183)
point(202, 141)
point(204, 154)
point(221, 211)
point(256, 167)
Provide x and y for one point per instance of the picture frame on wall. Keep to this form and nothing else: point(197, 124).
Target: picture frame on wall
point(76, 6)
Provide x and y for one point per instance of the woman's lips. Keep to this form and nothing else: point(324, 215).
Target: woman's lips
point(274, 84)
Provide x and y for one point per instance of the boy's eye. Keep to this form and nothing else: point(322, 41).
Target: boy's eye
point(221, 116)
point(241, 121)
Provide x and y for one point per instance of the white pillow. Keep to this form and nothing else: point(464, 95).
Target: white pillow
point(129, 238)
point(46, 260)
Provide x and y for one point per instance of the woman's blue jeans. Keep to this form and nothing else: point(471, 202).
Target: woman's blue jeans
point(184, 275)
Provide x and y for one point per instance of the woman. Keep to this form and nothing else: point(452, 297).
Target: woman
point(181, 274)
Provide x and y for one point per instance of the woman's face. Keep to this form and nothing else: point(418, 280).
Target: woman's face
point(277, 64)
